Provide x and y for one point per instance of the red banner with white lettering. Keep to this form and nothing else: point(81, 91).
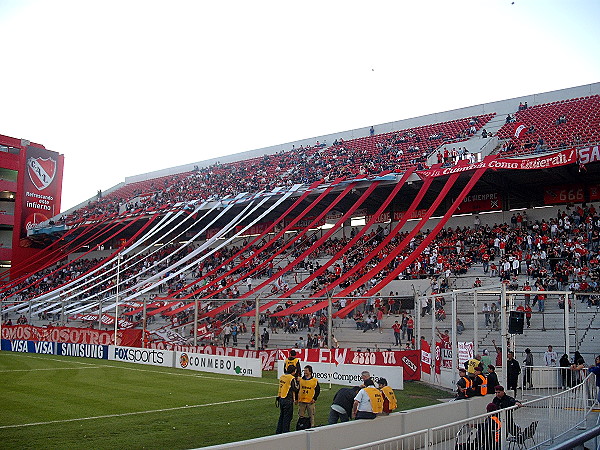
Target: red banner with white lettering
point(409, 360)
point(127, 338)
point(425, 357)
point(267, 357)
point(573, 193)
point(480, 202)
point(552, 160)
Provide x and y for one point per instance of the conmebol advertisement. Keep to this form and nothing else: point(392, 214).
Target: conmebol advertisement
point(229, 365)
point(41, 188)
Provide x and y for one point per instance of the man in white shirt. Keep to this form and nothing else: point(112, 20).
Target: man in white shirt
point(550, 357)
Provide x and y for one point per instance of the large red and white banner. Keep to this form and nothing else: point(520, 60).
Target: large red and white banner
point(409, 360)
point(557, 159)
point(106, 320)
point(589, 154)
point(267, 357)
point(41, 187)
point(130, 338)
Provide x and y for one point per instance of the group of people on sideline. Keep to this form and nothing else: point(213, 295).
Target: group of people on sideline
point(298, 386)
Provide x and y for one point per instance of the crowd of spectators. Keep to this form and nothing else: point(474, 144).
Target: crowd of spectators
point(367, 156)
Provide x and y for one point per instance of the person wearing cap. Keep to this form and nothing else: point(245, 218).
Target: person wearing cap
point(488, 432)
point(293, 360)
point(368, 402)
point(480, 384)
point(463, 385)
point(486, 360)
point(389, 397)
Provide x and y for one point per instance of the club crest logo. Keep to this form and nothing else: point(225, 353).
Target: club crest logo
point(184, 360)
point(41, 172)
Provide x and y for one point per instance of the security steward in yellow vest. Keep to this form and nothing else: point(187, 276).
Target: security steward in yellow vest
point(463, 385)
point(389, 397)
point(293, 360)
point(480, 382)
point(308, 394)
point(368, 402)
point(286, 396)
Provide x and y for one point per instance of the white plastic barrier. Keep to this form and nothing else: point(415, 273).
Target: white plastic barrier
point(350, 374)
point(229, 365)
point(136, 355)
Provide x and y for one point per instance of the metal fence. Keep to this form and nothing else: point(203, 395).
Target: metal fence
point(535, 423)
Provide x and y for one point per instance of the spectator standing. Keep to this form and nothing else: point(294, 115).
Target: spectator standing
point(528, 362)
point(226, 334)
point(513, 369)
point(565, 371)
point(485, 360)
point(596, 371)
point(397, 332)
point(410, 328)
point(486, 313)
point(492, 377)
point(550, 357)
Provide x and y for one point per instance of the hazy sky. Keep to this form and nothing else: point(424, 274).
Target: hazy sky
point(127, 87)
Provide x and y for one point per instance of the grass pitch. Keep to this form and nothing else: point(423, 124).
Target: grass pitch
point(60, 402)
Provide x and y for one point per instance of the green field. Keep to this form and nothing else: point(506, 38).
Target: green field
point(60, 402)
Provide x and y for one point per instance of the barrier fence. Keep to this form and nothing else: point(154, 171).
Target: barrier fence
point(537, 423)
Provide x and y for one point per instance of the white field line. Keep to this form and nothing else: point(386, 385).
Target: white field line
point(108, 416)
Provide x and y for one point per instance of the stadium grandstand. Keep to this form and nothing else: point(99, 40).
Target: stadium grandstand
point(450, 221)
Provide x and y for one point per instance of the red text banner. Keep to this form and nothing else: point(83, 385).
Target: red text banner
point(557, 159)
point(267, 357)
point(417, 214)
point(480, 202)
point(409, 360)
point(589, 154)
point(573, 193)
point(129, 338)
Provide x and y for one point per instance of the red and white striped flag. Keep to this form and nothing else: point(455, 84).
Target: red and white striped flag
point(519, 129)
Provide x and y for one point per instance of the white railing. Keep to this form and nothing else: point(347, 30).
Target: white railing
point(536, 423)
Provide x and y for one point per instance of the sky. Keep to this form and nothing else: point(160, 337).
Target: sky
point(125, 87)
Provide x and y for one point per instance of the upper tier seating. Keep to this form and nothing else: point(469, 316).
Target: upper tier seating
point(580, 125)
point(394, 151)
